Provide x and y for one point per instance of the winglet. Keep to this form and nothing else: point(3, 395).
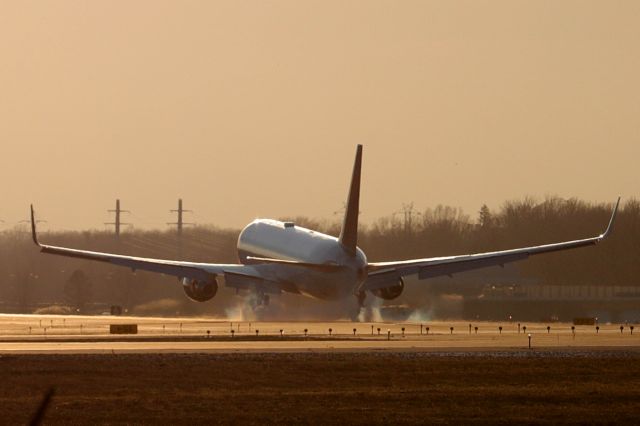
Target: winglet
point(34, 234)
point(349, 233)
point(613, 217)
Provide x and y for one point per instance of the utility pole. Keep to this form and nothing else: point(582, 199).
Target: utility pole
point(118, 223)
point(409, 213)
point(408, 216)
point(180, 223)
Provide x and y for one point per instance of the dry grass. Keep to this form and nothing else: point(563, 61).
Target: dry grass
point(327, 388)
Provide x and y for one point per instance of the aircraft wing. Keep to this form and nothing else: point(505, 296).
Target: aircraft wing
point(386, 274)
point(198, 271)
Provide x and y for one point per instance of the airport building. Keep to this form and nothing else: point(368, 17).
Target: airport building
point(554, 302)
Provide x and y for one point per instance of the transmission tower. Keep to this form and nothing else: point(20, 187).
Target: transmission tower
point(118, 223)
point(408, 213)
point(180, 223)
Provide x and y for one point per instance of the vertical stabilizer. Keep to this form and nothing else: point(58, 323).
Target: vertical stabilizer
point(349, 233)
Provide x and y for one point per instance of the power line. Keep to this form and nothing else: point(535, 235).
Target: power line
point(29, 221)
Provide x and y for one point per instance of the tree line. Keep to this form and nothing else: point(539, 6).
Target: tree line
point(29, 279)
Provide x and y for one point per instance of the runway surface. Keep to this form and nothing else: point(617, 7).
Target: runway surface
point(90, 334)
point(174, 372)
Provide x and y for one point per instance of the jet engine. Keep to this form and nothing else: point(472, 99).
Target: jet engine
point(390, 293)
point(200, 291)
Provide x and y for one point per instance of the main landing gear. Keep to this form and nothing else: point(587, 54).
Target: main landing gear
point(259, 299)
point(359, 309)
point(259, 303)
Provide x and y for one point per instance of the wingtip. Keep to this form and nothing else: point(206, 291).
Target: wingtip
point(34, 233)
point(609, 229)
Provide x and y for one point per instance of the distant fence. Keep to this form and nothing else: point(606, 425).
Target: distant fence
point(123, 329)
point(584, 321)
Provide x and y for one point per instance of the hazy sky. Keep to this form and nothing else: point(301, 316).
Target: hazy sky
point(253, 108)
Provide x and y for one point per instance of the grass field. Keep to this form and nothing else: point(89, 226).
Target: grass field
point(325, 388)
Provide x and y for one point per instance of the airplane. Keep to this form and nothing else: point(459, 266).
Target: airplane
point(278, 257)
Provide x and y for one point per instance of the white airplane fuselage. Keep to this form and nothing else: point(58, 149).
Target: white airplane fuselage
point(266, 238)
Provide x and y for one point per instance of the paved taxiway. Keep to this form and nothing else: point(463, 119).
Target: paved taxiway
point(90, 334)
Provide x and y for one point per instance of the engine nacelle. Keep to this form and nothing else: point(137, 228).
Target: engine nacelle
point(200, 291)
point(390, 293)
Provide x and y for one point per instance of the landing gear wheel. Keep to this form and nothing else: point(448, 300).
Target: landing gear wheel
point(356, 313)
point(366, 314)
point(262, 308)
point(259, 299)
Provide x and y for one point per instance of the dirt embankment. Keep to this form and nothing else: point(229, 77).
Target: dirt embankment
point(328, 388)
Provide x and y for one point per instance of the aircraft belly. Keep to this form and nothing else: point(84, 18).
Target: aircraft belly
point(320, 285)
point(300, 280)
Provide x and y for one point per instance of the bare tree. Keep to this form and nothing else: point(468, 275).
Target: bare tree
point(78, 290)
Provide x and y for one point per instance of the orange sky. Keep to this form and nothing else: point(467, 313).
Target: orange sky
point(253, 109)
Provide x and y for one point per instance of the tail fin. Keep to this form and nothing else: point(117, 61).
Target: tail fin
point(349, 233)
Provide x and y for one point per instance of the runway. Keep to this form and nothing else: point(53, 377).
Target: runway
point(54, 334)
point(174, 372)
